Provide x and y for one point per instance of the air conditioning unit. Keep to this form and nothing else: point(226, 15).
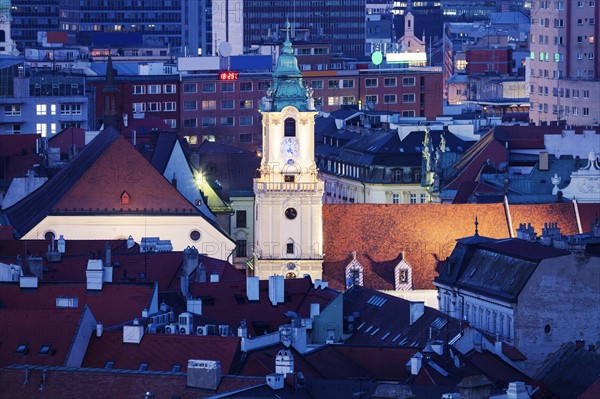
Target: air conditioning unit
point(171, 329)
point(202, 330)
point(186, 330)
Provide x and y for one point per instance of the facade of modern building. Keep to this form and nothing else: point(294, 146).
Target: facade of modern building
point(564, 66)
point(32, 16)
point(203, 106)
point(42, 103)
point(183, 25)
point(340, 23)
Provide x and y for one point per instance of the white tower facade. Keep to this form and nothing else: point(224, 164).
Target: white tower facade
point(289, 195)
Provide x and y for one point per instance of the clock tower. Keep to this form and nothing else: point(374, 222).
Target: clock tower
point(289, 195)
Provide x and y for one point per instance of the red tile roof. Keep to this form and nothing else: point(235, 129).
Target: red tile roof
point(161, 267)
point(538, 214)
point(121, 168)
point(35, 328)
point(161, 351)
point(115, 304)
point(593, 392)
point(299, 295)
point(425, 233)
point(64, 382)
point(67, 138)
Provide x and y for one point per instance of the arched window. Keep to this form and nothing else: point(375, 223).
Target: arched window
point(289, 127)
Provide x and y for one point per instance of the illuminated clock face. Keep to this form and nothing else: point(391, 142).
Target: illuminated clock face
point(290, 147)
point(291, 213)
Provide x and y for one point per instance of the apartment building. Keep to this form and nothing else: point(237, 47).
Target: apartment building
point(564, 69)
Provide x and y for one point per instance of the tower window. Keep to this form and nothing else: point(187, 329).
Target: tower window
point(290, 127)
point(289, 248)
point(288, 178)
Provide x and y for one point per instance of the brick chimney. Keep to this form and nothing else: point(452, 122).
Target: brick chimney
point(475, 387)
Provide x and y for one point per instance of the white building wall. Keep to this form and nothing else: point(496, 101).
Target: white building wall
point(177, 229)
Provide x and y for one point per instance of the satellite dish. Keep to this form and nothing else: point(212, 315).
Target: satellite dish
point(225, 49)
point(377, 57)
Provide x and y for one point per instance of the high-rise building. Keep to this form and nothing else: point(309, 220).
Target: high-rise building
point(340, 23)
point(564, 65)
point(30, 17)
point(183, 25)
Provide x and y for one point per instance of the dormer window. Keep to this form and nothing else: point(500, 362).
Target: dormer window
point(125, 199)
point(403, 276)
point(289, 127)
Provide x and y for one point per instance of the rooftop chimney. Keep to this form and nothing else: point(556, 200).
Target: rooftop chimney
point(132, 334)
point(185, 285)
point(201, 273)
point(417, 309)
point(36, 266)
point(475, 387)
point(190, 260)
point(276, 290)
point(107, 254)
point(61, 244)
point(284, 362)
point(99, 329)
point(94, 274)
point(416, 361)
point(252, 290)
point(517, 390)
point(526, 232)
point(204, 374)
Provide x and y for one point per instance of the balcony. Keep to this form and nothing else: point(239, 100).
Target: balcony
point(261, 187)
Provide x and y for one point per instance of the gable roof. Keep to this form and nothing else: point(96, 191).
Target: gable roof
point(424, 233)
point(94, 182)
point(67, 138)
point(115, 304)
point(161, 351)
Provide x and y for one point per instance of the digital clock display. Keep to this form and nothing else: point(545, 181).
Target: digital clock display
point(228, 75)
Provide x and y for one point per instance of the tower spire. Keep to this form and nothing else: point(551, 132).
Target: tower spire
point(476, 225)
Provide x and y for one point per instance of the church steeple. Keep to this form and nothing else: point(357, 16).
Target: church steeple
point(288, 87)
point(111, 92)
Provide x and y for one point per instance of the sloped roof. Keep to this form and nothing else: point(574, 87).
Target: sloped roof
point(95, 180)
point(570, 371)
point(161, 351)
point(35, 328)
point(163, 150)
point(231, 304)
point(163, 268)
point(67, 138)
point(17, 154)
point(84, 383)
point(389, 323)
point(115, 304)
point(425, 233)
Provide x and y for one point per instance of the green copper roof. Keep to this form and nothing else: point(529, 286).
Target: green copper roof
point(288, 87)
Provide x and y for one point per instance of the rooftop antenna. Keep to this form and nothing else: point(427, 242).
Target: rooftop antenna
point(476, 224)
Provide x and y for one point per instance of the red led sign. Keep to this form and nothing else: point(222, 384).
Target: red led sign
point(228, 75)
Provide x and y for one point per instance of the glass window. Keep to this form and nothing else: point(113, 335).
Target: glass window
point(226, 104)
point(245, 86)
point(240, 219)
point(389, 82)
point(389, 99)
point(139, 89)
point(209, 121)
point(209, 104)
point(246, 104)
point(169, 89)
point(209, 87)
point(408, 81)
point(245, 121)
point(408, 98)
point(190, 105)
point(316, 84)
point(190, 88)
point(371, 82)
point(227, 121)
point(227, 86)
point(154, 107)
point(40, 109)
point(169, 106)
point(153, 89)
point(334, 84)
point(190, 122)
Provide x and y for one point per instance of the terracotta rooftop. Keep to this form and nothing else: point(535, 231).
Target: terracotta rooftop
point(129, 265)
point(95, 181)
point(84, 383)
point(41, 337)
point(115, 304)
point(161, 351)
point(423, 233)
point(228, 303)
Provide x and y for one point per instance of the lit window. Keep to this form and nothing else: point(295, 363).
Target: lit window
point(40, 109)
